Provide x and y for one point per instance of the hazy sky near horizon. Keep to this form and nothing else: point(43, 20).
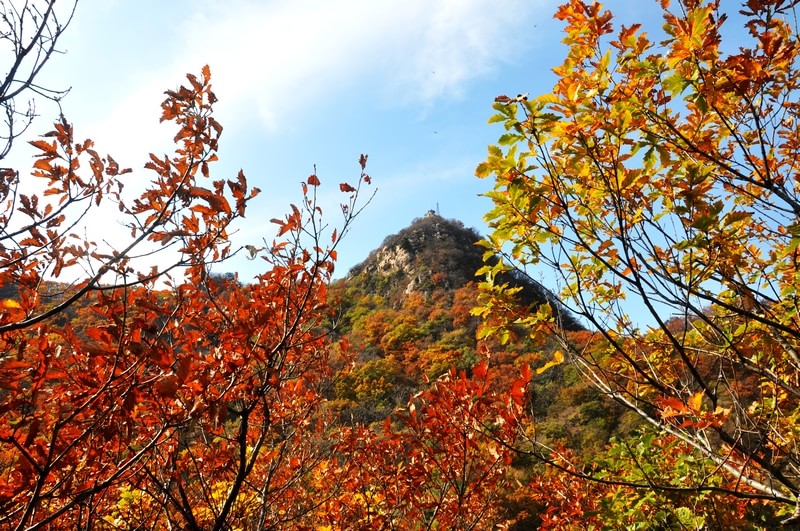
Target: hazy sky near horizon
point(316, 82)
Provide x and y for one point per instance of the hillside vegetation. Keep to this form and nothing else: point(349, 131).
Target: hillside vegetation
point(437, 386)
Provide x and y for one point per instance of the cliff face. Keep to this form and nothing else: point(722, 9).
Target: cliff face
point(431, 253)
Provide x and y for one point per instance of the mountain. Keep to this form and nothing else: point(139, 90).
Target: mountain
point(406, 314)
point(431, 252)
point(434, 253)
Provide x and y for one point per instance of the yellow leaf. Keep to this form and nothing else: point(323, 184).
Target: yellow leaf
point(548, 98)
point(695, 402)
point(558, 359)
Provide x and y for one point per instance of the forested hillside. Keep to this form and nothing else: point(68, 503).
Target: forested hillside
point(407, 311)
point(399, 322)
point(436, 385)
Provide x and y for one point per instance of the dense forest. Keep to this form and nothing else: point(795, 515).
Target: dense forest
point(437, 385)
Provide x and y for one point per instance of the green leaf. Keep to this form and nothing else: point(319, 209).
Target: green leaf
point(508, 139)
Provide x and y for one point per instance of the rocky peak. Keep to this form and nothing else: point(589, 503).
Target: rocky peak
point(437, 253)
point(432, 252)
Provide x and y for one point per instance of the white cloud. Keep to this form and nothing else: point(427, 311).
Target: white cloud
point(278, 57)
point(277, 63)
point(458, 42)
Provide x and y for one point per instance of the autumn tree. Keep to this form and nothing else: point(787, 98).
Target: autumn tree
point(191, 400)
point(29, 36)
point(441, 462)
point(140, 390)
point(658, 184)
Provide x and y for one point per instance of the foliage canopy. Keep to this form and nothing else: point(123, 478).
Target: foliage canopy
point(658, 182)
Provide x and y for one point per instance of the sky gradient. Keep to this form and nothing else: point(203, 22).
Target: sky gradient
point(315, 82)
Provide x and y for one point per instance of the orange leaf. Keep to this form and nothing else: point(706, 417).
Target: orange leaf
point(44, 145)
point(672, 407)
point(313, 180)
point(42, 164)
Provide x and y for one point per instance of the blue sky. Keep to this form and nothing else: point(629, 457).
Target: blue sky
point(316, 82)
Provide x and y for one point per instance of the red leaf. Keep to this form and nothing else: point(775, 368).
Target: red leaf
point(168, 385)
point(480, 370)
point(313, 180)
point(526, 373)
point(344, 187)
